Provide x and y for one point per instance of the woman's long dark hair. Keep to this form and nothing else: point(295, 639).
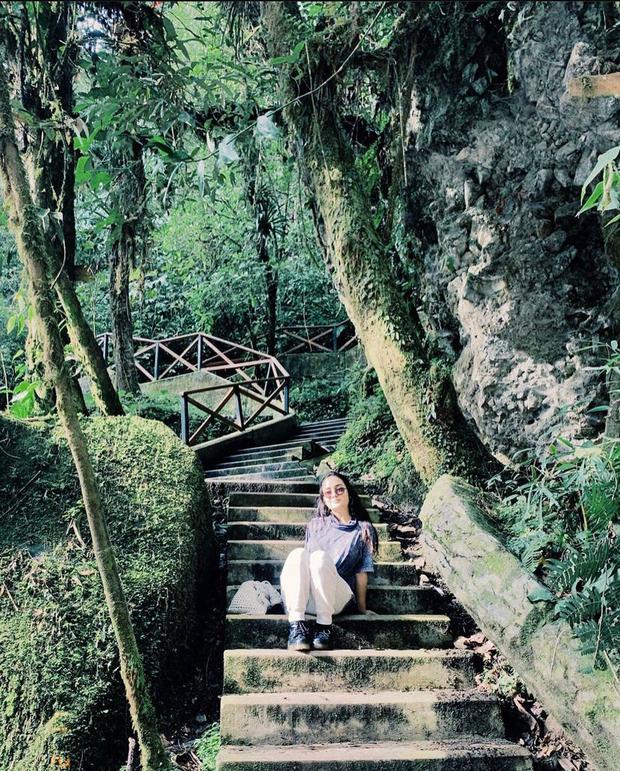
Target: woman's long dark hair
point(357, 510)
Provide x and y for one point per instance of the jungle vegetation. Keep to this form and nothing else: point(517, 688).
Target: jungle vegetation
point(238, 167)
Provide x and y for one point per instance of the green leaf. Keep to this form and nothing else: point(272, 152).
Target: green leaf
point(82, 173)
point(601, 162)
point(171, 33)
point(593, 199)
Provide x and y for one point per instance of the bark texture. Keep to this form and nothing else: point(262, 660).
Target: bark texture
point(130, 201)
point(25, 225)
point(419, 394)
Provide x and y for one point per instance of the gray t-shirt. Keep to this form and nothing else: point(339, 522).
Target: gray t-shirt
point(345, 544)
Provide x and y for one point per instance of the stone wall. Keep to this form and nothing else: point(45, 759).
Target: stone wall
point(461, 546)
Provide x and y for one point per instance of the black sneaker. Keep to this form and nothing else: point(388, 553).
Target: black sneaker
point(298, 636)
point(322, 637)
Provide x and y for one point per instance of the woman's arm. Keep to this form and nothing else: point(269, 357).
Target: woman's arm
point(361, 584)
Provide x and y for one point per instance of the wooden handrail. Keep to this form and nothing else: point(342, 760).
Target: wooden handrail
point(309, 342)
point(198, 352)
point(239, 391)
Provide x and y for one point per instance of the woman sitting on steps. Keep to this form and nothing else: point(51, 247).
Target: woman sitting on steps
point(330, 573)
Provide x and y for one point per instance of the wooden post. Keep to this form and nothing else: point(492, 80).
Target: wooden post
point(184, 419)
point(239, 407)
point(156, 364)
point(199, 352)
point(106, 346)
point(285, 396)
point(334, 338)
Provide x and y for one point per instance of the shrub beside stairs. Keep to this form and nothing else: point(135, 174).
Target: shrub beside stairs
point(393, 694)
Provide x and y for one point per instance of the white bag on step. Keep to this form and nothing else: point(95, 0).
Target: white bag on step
point(255, 597)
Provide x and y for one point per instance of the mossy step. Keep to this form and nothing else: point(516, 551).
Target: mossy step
point(279, 498)
point(350, 632)
point(271, 485)
point(288, 531)
point(278, 513)
point(470, 754)
point(278, 446)
point(389, 551)
point(326, 422)
point(242, 473)
point(319, 436)
point(395, 573)
point(257, 468)
point(269, 671)
point(267, 460)
point(345, 716)
point(390, 599)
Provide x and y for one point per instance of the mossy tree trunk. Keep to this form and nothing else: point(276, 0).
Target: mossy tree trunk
point(25, 225)
point(419, 394)
point(44, 74)
point(264, 210)
point(129, 201)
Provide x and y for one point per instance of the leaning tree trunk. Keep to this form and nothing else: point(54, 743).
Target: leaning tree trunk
point(420, 398)
point(25, 225)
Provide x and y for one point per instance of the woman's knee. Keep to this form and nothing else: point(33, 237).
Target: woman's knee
point(320, 560)
point(296, 557)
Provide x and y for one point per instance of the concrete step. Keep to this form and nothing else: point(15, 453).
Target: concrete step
point(350, 632)
point(308, 718)
point(279, 514)
point(395, 573)
point(276, 671)
point(260, 452)
point(470, 754)
point(389, 551)
point(287, 445)
point(253, 461)
point(272, 485)
point(258, 468)
point(258, 499)
point(319, 436)
point(287, 531)
point(250, 476)
point(326, 422)
point(389, 599)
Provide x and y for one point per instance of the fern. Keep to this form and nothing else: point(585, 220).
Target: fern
point(578, 567)
point(560, 520)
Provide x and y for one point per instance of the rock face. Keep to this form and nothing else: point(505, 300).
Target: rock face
point(518, 287)
point(494, 588)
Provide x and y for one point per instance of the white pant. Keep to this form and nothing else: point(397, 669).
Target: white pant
point(310, 582)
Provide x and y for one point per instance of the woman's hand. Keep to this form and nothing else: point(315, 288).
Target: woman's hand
point(369, 612)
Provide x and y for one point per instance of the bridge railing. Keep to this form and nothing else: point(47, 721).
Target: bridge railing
point(318, 338)
point(248, 405)
point(252, 377)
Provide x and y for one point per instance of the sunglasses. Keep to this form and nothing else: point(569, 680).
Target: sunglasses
point(340, 490)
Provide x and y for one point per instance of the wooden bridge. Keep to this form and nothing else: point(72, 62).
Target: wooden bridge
point(254, 382)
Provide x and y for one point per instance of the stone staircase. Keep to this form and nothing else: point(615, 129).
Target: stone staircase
point(393, 694)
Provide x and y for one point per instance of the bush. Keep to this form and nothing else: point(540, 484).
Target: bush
point(562, 522)
point(320, 399)
point(60, 690)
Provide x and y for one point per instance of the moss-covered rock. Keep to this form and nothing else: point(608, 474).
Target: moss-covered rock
point(61, 696)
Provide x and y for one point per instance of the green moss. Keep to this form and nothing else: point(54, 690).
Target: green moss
point(57, 650)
